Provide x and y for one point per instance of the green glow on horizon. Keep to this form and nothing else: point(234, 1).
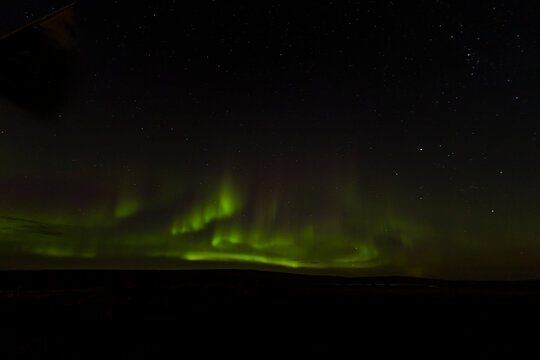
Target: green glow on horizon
point(332, 227)
point(221, 223)
point(216, 256)
point(62, 252)
point(363, 260)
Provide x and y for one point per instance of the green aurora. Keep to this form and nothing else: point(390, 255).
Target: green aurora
point(125, 151)
point(223, 221)
point(318, 215)
point(329, 226)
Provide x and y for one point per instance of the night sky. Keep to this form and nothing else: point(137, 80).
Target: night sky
point(339, 137)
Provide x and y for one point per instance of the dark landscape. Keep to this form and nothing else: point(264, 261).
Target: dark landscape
point(137, 314)
point(307, 179)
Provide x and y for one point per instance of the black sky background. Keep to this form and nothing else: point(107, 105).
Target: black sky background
point(433, 104)
point(388, 76)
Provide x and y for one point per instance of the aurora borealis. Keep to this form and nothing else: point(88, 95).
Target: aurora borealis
point(328, 138)
point(220, 221)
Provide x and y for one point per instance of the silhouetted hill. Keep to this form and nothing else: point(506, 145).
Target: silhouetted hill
point(131, 314)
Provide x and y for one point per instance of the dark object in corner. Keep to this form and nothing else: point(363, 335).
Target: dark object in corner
point(35, 62)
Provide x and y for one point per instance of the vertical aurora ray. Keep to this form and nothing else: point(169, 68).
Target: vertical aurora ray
point(228, 225)
point(126, 207)
point(221, 203)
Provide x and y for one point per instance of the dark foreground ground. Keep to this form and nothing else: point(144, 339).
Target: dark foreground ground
point(194, 314)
